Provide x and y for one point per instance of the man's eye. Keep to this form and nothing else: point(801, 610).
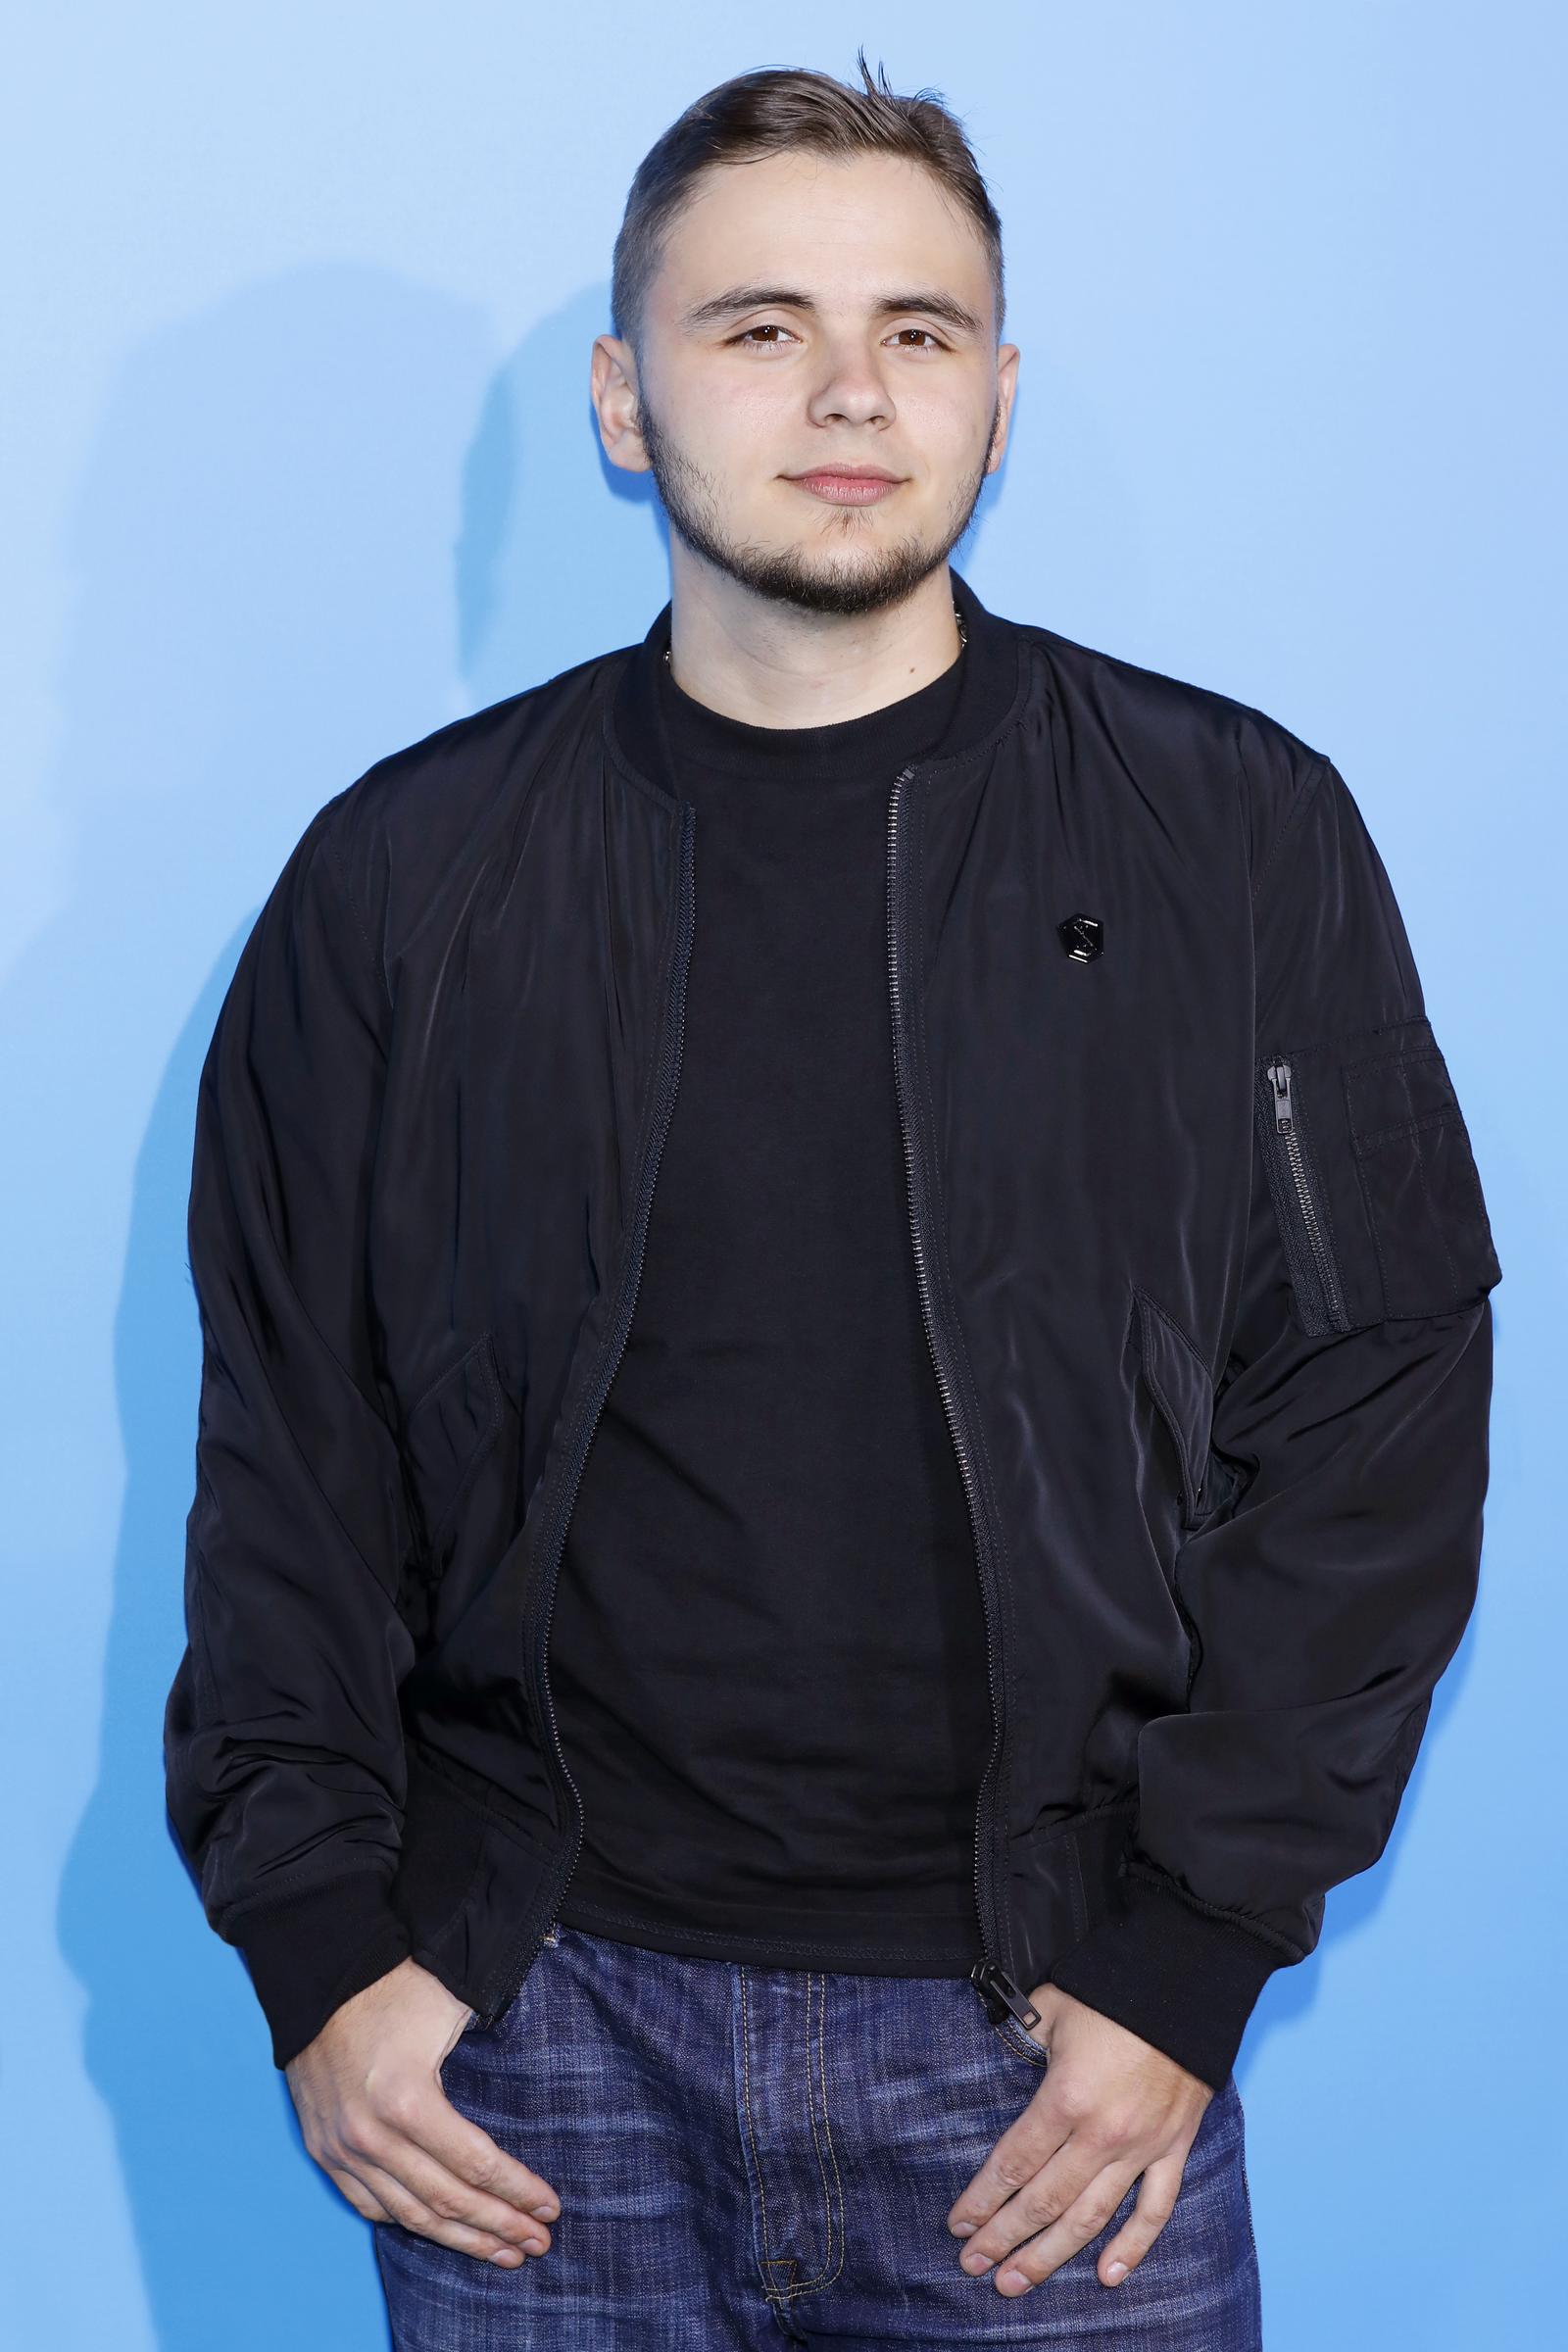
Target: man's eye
point(771, 326)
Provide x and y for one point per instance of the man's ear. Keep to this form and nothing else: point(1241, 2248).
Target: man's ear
point(613, 387)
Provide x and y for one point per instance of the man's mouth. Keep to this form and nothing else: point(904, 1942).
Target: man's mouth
point(846, 488)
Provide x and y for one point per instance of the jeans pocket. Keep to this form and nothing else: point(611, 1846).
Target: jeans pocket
point(510, 2022)
point(1020, 2043)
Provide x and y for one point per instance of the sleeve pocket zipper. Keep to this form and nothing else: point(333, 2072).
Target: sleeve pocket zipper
point(1313, 1271)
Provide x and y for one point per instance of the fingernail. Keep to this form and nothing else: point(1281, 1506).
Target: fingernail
point(1116, 2272)
point(544, 2212)
point(961, 2229)
point(976, 2262)
point(534, 2245)
point(1012, 2278)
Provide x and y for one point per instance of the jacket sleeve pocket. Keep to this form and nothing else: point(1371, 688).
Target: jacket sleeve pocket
point(1373, 1180)
point(1420, 1187)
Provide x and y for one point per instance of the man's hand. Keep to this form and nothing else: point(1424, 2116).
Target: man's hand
point(1110, 2107)
point(369, 2095)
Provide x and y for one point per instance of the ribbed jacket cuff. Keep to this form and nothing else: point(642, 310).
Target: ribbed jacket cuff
point(1182, 1981)
point(309, 1953)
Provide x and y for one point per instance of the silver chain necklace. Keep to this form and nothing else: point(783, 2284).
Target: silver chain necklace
point(963, 635)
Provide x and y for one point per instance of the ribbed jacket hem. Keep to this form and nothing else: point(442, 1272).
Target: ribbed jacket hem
point(310, 1952)
point(1184, 1982)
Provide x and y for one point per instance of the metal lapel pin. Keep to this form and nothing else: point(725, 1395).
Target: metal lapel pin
point(1082, 936)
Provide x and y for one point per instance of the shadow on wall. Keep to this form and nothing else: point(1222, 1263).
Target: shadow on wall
point(313, 529)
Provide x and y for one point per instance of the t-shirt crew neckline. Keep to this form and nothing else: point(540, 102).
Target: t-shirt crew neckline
point(887, 737)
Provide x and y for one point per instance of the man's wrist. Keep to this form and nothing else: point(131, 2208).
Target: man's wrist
point(1182, 1979)
point(311, 1951)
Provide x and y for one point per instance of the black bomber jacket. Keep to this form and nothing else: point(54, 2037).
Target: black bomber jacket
point(1202, 1254)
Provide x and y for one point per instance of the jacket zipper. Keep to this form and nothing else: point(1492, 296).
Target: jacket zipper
point(1279, 1078)
point(989, 1979)
point(544, 1908)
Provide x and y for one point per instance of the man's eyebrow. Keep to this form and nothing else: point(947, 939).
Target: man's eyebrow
point(736, 299)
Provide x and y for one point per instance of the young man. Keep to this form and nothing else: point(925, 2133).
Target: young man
point(846, 1383)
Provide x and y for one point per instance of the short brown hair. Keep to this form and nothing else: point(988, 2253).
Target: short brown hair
point(771, 111)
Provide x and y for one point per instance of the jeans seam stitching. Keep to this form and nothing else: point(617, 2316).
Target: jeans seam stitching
point(766, 2259)
point(825, 2275)
point(804, 2286)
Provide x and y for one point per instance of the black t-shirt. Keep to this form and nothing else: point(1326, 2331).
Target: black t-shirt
point(768, 1651)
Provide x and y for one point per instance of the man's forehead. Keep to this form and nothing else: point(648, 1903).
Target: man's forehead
point(845, 238)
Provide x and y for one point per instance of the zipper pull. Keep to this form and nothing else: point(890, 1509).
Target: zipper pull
point(1000, 1994)
point(1280, 1078)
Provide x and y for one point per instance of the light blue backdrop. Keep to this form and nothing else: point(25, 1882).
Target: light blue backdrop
point(301, 464)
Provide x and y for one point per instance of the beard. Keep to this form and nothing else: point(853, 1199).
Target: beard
point(862, 578)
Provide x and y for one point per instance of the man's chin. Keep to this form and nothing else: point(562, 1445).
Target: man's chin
point(831, 583)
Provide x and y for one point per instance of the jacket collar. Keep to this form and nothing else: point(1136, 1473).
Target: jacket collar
point(989, 696)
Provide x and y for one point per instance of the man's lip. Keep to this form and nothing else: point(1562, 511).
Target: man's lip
point(844, 473)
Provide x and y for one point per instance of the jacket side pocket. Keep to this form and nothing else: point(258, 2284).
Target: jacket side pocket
point(446, 1436)
point(1178, 1382)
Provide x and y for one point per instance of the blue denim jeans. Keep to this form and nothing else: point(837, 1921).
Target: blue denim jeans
point(758, 2158)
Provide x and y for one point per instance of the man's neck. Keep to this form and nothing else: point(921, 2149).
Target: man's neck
point(773, 665)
